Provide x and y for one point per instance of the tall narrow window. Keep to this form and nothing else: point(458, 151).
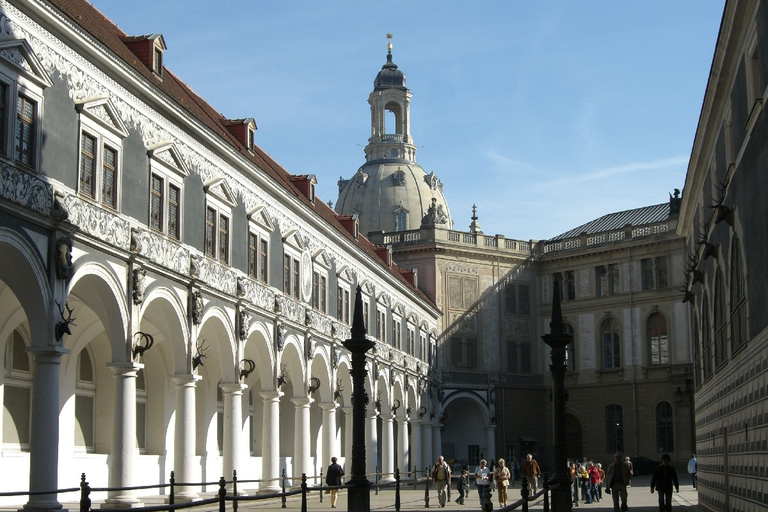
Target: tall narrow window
point(263, 260)
point(342, 305)
point(738, 299)
point(658, 342)
point(720, 322)
point(611, 348)
point(87, 164)
point(210, 232)
point(25, 131)
point(253, 260)
point(84, 402)
point(166, 197)
point(646, 273)
point(223, 238)
point(156, 203)
point(661, 272)
point(174, 211)
point(664, 428)
point(570, 351)
point(570, 286)
point(706, 340)
point(109, 177)
point(614, 429)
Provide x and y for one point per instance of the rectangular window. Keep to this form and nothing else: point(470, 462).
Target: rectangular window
point(109, 177)
point(25, 131)
point(287, 274)
point(661, 272)
point(223, 239)
point(342, 305)
point(263, 260)
point(296, 278)
point(473, 455)
point(319, 291)
point(253, 242)
point(156, 203)
point(87, 164)
point(606, 280)
point(570, 286)
point(614, 429)
point(381, 324)
point(646, 273)
point(464, 353)
point(174, 211)
point(210, 232)
point(411, 341)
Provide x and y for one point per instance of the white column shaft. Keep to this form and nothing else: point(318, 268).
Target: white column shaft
point(403, 456)
point(122, 458)
point(416, 450)
point(347, 436)
point(301, 439)
point(184, 460)
point(490, 435)
point(427, 457)
point(372, 452)
point(330, 444)
point(270, 442)
point(387, 448)
point(233, 427)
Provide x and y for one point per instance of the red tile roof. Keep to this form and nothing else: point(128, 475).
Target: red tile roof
point(114, 39)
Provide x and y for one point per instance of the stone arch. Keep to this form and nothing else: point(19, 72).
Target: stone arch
point(164, 316)
point(22, 270)
point(466, 420)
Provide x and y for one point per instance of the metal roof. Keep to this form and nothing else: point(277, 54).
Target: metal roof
point(618, 220)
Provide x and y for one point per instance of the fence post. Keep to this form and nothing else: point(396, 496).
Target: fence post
point(303, 492)
point(426, 487)
point(234, 490)
point(546, 492)
point(222, 495)
point(321, 486)
point(172, 490)
point(397, 489)
point(376, 480)
point(283, 486)
point(85, 493)
point(524, 492)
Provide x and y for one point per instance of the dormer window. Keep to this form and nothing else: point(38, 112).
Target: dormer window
point(306, 183)
point(244, 131)
point(158, 61)
point(251, 138)
point(149, 50)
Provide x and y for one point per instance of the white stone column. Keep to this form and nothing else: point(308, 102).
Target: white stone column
point(185, 466)
point(403, 455)
point(301, 439)
point(122, 458)
point(372, 452)
point(330, 440)
point(44, 429)
point(437, 441)
point(270, 442)
point(347, 436)
point(427, 458)
point(416, 451)
point(233, 426)
point(387, 448)
point(490, 441)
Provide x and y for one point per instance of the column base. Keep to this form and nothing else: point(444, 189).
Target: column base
point(43, 506)
point(122, 502)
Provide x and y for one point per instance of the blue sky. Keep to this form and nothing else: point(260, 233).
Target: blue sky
point(544, 114)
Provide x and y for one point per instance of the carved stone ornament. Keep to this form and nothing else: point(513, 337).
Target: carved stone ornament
point(244, 321)
point(240, 287)
point(435, 215)
point(135, 241)
point(281, 333)
point(59, 211)
point(196, 307)
point(64, 258)
point(194, 266)
point(310, 346)
point(335, 357)
point(139, 285)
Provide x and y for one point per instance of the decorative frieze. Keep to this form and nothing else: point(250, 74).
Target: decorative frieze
point(25, 190)
point(98, 222)
point(162, 250)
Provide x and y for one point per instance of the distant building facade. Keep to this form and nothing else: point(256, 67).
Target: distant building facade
point(491, 383)
point(723, 221)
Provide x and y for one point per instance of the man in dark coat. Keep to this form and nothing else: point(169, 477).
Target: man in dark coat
point(333, 478)
point(664, 477)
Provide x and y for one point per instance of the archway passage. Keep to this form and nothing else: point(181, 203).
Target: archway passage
point(573, 438)
point(465, 436)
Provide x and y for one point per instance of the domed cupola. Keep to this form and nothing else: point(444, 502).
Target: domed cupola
point(389, 77)
point(391, 192)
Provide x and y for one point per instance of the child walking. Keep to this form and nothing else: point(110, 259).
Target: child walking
point(462, 486)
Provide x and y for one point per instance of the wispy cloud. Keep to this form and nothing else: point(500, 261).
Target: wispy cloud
point(630, 168)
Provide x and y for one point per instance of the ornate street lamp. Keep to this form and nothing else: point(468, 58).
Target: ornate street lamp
point(558, 340)
point(359, 498)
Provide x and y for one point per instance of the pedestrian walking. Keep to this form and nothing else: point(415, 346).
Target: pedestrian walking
point(532, 471)
point(441, 476)
point(462, 486)
point(501, 477)
point(664, 477)
point(482, 478)
point(617, 479)
point(692, 469)
point(333, 478)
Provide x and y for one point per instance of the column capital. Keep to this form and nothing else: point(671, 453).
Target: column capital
point(233, 388)
point(51, 353)
point(301, 401)
point(387, 416)
point(186, 379)
point(271, 396)
point(328, 406)
point(346, 410)
point(125, 369)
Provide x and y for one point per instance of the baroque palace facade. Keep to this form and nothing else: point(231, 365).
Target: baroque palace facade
point(171, 299)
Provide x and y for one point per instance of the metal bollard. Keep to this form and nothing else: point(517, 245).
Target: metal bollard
point(426, 488)
point(172, 491)
point(376, 479)
point(545, 485)
point(485, 503)
point(303, 492)
point(525, 492)
point(85, 495)
point(234, 490)
point(283, 486)
point(321, 486)
point(397, 489)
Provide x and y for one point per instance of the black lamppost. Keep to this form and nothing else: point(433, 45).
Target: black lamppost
point(359, 498)
point(558, 339)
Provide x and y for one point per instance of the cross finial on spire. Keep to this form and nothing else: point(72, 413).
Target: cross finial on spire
point(389, 43)
point(474, 212)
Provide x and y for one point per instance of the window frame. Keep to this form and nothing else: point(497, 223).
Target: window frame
point(615, 345)
point(259, 254)
point(166, 165)
point(660, 339)
point(222, 211)
point(665, 427)
point(99, 120)
point(614, 428)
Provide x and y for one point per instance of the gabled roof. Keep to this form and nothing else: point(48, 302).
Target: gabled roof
point(618, 220)
point(114, 39)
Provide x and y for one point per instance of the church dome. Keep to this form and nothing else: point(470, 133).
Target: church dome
point(391, 195)
point(389, 77)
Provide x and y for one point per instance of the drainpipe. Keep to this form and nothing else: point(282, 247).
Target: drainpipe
point(632, 344)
